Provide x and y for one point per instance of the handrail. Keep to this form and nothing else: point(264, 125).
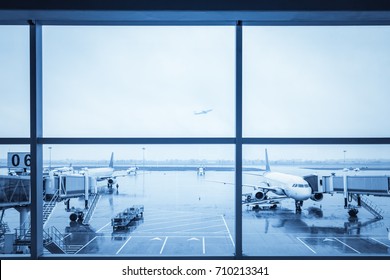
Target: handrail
point(91, 208)
point(370, 206)
point(52, 234)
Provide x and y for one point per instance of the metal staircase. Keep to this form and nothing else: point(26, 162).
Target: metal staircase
point(49, 206)
point(369, 206)
point(88, 215)
point(53, 241)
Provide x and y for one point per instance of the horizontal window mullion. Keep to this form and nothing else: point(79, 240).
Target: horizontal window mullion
point(318, 140)
point(14, 141)
point(136, 140)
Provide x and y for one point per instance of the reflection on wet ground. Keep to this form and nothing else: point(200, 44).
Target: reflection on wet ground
point(188, 216)
point(283, 232)
point(123, 234)
point(77, 236)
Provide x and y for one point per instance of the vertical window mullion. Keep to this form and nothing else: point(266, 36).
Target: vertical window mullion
point(35, 133)
point(238, 145)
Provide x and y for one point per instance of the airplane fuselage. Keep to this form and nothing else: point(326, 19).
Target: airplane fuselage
point(292, 186)
point(100, 173)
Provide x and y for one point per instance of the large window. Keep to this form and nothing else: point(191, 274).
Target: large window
point(324, 227)
point(14, 81)
point(15, 200)
point(316, 81)
point(138, 81)
point(182, 209)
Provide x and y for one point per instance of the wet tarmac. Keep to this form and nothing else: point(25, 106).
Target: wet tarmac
point(322, 229)
point(189, 215)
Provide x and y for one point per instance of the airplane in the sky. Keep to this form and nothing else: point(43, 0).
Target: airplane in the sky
point(202, 112)
point(103, 173)
point(282, 185)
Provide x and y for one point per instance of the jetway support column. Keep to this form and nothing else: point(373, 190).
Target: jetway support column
point(86, 190)
point(359, 200)
point(23, 216)
point(345, 191)
point(67, 203)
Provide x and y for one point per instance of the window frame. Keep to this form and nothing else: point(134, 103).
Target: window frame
point(237, 19)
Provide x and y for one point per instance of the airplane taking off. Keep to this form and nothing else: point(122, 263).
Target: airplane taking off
point(103, 173)
point(202, 112)
point(282, 184)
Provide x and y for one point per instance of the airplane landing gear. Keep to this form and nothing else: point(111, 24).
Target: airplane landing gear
point(353, 212)
point(298, 206)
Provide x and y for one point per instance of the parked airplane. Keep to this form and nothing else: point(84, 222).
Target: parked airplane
point(283, 185)
point(202, 112)
point(132, 170)
point(65, 169)
point(103, 173)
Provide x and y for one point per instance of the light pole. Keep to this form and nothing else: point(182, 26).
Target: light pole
point(143, 158)
point(50, 158)
point(344, 157)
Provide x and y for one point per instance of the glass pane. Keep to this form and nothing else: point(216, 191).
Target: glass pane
point(134, 200)
point(138, 81)
point(343, 197)
point(305, 81)
point(15, 200)
point(14, 81)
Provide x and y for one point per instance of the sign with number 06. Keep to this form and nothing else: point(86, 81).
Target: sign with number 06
point(19, 160)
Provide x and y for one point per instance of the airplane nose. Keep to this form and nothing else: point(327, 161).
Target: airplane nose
point(308, 193)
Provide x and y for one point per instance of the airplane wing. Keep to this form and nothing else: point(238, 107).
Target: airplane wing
point(270, 201)
point(119, 173)
point(263, 186)
point(116, 174)
point(202, 112)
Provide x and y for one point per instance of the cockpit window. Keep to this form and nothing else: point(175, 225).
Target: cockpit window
point(300, 186)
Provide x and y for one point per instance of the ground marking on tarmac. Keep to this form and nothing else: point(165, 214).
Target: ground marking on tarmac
point(165, 219)
point(328, 239)
point(192, 229)
point(120, 249)
point(347, 245)
point(231, 237)
point(156, 238)
point(103, 227)
point(307, 246)
point(384, 244)
point(86, 245)
point(174, 226)
point(204, 246)
point(165, 242)
point(193, 238)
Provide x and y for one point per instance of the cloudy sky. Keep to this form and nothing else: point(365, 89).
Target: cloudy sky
point(148, 82)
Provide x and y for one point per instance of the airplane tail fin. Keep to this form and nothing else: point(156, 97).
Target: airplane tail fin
point(267, 166)
point(111, 160)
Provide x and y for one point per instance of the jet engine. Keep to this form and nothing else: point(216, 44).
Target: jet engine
point(260, 195)
point(111, 181)
point(317, 196)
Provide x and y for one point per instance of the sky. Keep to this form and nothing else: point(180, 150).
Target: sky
point(316, 81)
point(145, 81)
point(14, 81)
point(138, 81)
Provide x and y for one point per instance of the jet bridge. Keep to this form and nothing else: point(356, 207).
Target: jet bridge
point(14, 191)
point(370, 185)
point(353, 187)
